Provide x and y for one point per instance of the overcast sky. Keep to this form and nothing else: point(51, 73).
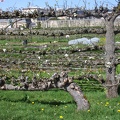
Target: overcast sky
point(15, 4)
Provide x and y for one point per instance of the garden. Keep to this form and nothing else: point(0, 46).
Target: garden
point(35, 58)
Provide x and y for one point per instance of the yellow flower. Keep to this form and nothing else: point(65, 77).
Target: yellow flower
point(33, 102)
point(61, 117)
point(42, 109)
point(88, 110)
point(107, 103)
point(118, 111)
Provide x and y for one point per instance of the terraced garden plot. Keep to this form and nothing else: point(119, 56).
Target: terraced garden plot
point(42, 59)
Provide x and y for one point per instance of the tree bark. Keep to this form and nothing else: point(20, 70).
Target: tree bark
point(64, 82)
point(80, 99)
point(112, 91)
point(111, 87)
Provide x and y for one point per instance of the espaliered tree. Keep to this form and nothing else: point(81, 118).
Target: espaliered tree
point(61, 81)
point(111, 83)
point(110, 59)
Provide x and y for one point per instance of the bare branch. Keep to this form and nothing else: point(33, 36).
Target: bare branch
point(111, 85)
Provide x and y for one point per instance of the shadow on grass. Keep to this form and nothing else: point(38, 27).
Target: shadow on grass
point(119, 89)
point(51, 103)
point(54, 103)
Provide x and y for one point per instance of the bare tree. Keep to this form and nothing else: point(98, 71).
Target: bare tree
point(111, 83)
point(110, 59)
point(61, 81)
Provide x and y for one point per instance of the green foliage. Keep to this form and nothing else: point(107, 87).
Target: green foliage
point(118, 69)
point(117, 37)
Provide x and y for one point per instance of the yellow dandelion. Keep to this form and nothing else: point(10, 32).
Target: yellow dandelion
point(88, 110)
point(107, 103)
point(118, 111)
point(61, 117)
point(33, 102)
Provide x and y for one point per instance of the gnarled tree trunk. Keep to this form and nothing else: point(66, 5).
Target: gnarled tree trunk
point(61, 81)
point(66, 83)
point(111, 83)
point(80, 99)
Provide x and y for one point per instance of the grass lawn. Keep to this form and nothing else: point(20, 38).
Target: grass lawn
point(55, 105)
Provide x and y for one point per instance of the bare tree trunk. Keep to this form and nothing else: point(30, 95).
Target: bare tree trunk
point(80, 99)
point(66, 83)
point(111, 86)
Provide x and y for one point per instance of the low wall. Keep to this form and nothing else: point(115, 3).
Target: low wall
point(5, 22)
point(75, 23)
point(65, 23)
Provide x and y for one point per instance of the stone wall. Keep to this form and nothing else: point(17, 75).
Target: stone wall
point(65, 23)
point(76, 23)
point(5, 22)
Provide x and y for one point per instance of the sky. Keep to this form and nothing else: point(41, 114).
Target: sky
point(19, 4)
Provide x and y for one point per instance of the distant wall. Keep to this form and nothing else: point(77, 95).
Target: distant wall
point(5, 22)
point(64, 23)
point(76, 23)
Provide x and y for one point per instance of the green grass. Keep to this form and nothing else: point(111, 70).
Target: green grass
point(50, 105)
